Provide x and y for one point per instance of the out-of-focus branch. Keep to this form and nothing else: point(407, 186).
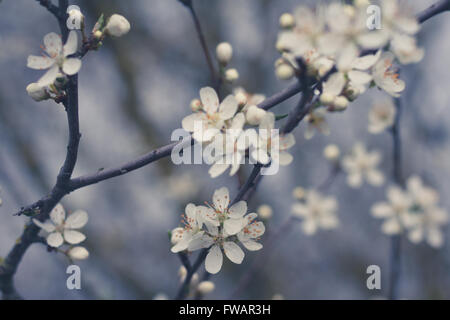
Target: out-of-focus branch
point(50, 7)
point(395, 258)
point(201, 37)
point(435, 9)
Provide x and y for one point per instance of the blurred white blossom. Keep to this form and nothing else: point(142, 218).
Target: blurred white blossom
point(316, 212)
point(362, 165)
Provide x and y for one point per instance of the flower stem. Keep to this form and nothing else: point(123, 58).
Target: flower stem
point(395, 258)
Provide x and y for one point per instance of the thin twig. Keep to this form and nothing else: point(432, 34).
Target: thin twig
point(201, 37)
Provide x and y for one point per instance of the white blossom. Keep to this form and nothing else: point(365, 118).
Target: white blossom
point(316, 212)
point(395, 211)
point(269, 145)
point(208, 122)
point(428, 216)
point(251, 231)
point(56, 58)
point(362, 165)
point(386, 76)
point(405, 49)
point(227, 150)
point(381, 116)
point(316, 121)
point(193, 222)
point(61, 229)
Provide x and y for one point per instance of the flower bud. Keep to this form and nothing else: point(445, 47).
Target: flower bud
point(117, 26)
point(327, 99)
point(78, 253)
point(182, 272)
point(76, 18)
point(351, 93)
point(224, 52)
point(331, 152)
point(265, 212)
point(231, 75)
point(284, 71)
point(299, 193)
point(206, 287)
point(37, 92)
point(196, 105)
point(340, 103)
point(98, 34)
point(287, 21)
point(241, 98)
point(254, 115)
point(361, 3)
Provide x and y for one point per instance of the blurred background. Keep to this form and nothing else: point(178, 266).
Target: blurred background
point(135, 91)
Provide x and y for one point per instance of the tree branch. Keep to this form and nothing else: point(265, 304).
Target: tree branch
point(435, 9)
point(201, 37)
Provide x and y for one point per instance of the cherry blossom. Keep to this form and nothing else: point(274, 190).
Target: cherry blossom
point(316, 212)
point(56, 58)
point(209, 121)
point(362, 165)
point(61, 229)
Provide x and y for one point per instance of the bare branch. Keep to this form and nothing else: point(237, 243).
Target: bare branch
point(201, 37)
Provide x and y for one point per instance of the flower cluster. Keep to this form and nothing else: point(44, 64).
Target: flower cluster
point(64, 230)
point(414, 211)
point(219, 228)
point(337, 47)
point(220, 127)
point(63, 61)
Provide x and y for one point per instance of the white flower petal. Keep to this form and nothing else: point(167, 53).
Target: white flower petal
point(214, 260)
point(39, 63)
point(77, 220)
point(58, 214)
point(237, 210)
point(49, 77)
point(217, 169)
point(53, 44)
point(55, 239)
point(46, 226)
point(71, 45)
point(73, 237)
point(252, 245)
point(221, 199)
point(209, 99)
point(228, 107)
point(71, 66)
point(233, 226)
point(233, 252)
